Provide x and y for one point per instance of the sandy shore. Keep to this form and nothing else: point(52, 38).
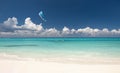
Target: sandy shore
point(31, 66)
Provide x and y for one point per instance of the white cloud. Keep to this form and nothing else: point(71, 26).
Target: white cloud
point(65, 31)
point(52, 32)
point(105, 30)
point(73, 31)
point(9, 28)
point(31, 26)
point(11, 23)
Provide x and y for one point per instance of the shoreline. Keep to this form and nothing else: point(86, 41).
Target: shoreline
point(64, 60)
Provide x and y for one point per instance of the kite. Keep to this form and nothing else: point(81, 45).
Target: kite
point(42, 16)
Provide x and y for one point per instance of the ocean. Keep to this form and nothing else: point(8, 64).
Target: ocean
point(64, 50)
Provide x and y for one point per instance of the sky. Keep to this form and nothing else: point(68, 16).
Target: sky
point(87, 15)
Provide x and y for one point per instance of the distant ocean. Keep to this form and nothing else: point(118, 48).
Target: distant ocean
point(66, 50)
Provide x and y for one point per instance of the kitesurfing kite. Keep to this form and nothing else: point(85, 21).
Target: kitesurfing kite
point(42, 16)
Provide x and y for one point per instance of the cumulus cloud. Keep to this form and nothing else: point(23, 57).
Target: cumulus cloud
point(9, 25)
point(31, 26)
point(9, 28)
point(52, 32)
point(65, 31)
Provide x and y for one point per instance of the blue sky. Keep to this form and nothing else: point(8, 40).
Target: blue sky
point(60, 13)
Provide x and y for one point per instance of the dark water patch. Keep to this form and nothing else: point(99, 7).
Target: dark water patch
point(19, 45)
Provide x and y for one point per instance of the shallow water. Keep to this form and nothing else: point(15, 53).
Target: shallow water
point(104, 50)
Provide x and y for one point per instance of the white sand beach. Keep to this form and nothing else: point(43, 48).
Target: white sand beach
point(32, 66)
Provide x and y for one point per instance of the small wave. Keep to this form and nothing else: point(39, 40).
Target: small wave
point(13, 57)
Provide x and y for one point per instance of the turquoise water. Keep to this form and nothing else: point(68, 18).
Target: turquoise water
point(63, 49)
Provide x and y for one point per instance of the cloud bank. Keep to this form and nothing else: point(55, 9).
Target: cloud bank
point(10, 28)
